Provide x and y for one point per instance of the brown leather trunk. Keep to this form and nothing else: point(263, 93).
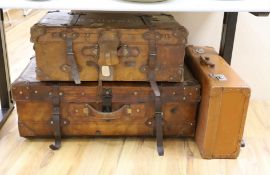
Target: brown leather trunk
point(83, 46)
point(115, 109)
point(223, 107)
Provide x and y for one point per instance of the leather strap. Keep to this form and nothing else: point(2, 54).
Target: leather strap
point(57, 132)
point(152, 62)
point(55, 122)
point(71, 60)
point(159, 125)
point(158, 118)
point(70, 53)
point(99, 86)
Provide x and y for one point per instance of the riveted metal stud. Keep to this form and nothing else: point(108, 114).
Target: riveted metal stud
point(138, 110)
point(20, 92)
point(174, 93)
point(184, 98)
point(50, 93)
point(36, 92)
point(83, 94)
point(135, 93)
point(60, 93)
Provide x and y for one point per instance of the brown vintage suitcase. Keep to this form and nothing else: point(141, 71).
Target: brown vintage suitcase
point(118, 109)
point(84, 46)
point(223, 107)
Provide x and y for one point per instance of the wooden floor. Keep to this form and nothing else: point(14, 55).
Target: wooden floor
point(133, 156)
point(19, 156)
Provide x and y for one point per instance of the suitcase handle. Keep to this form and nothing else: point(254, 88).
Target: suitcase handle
point(122, 112)
point(206, 61)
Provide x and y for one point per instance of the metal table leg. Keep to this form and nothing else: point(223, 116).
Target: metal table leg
point(228, 33)
point(5, 95)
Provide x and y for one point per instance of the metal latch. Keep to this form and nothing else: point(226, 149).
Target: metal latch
point(107, 100)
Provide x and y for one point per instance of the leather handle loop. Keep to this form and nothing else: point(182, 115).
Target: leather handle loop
point(108, 43)
point(122, 112)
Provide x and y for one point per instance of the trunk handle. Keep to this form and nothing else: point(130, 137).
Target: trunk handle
point(123, 111)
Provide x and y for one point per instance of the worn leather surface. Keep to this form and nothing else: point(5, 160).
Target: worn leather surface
point(223, 107)
point(132, 105)
point(122, 30)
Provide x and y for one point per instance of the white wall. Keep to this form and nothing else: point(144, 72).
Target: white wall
point(204, 28)
point(251, 55)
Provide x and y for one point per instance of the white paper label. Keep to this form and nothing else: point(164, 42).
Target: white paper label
point(219, 77)
point(105, 70)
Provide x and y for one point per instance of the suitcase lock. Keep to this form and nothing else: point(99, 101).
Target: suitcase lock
point(106, 100)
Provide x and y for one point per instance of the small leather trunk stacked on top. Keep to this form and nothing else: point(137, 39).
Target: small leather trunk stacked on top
point(110, 74)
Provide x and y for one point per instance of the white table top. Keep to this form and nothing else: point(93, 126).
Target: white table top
point(120, 5)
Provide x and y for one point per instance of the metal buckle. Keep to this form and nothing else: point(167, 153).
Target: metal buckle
point(159, 113)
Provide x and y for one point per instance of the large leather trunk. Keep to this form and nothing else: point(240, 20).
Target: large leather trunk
point(84, 46)
point(224, 104)
point(119, 109)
